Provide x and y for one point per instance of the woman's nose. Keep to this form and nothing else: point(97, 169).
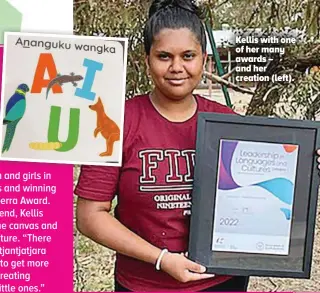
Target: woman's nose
point(176, 65)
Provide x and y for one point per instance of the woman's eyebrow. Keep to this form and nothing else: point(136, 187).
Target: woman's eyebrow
point(190, 51)
point(184, 52)
point(162, 51)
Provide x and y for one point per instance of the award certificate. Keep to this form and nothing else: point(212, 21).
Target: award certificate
point(254, 197)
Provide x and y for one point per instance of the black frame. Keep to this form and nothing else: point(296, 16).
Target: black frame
point(213, 127)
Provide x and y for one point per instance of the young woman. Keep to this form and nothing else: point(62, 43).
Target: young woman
point(158, 155)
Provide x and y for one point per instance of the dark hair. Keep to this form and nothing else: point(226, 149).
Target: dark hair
point(173, 14)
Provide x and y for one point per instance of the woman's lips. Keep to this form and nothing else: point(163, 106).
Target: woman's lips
point(176, 81)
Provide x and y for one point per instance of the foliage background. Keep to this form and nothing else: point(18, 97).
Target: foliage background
point(93, 264)
point(125, 18)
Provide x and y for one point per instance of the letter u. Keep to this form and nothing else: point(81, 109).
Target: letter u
point(73, 133)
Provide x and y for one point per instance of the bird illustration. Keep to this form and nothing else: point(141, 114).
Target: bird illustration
point(15, 110)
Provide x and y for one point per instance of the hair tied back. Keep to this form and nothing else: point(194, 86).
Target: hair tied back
point(160, 5)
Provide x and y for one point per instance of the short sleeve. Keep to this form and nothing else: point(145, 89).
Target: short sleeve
point(97, 182)
point(100, 183)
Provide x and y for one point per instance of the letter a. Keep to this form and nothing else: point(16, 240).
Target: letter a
point(45, 62)
point(85, 92)
point(73, 133)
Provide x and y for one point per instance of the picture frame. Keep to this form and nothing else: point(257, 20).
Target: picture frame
point(249, 198)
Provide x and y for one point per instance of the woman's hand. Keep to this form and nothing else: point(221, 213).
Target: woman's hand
point(183, 269)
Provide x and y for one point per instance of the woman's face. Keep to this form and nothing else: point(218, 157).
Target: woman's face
point(176, 62)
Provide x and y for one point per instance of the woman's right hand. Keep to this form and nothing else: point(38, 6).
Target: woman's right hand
point(183, 269)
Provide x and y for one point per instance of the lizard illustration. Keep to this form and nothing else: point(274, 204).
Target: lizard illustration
point(106, 126)
point(61, 79)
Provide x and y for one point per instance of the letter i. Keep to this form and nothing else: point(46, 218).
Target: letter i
point(85, 92)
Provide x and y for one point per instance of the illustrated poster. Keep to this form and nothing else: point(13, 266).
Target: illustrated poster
point(254, 197)
point(63, 98)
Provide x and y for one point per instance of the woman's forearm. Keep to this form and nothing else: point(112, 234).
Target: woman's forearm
point(95, 222)
point(106, 230)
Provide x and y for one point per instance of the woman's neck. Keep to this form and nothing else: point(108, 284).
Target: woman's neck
point(174, 110)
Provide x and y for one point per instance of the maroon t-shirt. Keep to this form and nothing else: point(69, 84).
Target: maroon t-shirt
point(154, 188)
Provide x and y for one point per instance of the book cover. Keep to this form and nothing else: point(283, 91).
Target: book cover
point(63, 98)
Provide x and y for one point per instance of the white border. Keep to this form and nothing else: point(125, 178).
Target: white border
point(65, 36)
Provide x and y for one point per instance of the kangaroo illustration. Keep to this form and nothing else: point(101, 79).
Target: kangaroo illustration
point(108, 128)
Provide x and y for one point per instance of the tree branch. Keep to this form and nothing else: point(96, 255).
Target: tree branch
point(220, 80)
point(225, 76)
point(221, 4)
point(315, 50)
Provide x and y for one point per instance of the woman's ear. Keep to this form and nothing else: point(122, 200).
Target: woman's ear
point(204, 63)
point(205, 57)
